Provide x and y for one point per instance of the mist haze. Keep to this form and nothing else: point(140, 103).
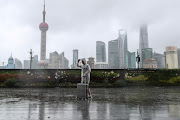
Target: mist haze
point(79, 24)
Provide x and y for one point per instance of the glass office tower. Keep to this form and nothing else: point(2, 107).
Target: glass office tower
point(146, 54)
point(114, 54)
point(100, 51)
point(143, 41)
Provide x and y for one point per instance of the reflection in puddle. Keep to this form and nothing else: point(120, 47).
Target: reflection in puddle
point(86, 110)
point(107, 104)
point(83, 107)
point(174, 111)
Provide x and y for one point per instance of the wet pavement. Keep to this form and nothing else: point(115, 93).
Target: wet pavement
point(130, 103)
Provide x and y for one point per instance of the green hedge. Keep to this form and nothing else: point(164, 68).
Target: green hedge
point(11, 82)
point(101, 78)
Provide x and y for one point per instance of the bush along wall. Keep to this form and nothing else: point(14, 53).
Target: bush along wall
point(26, 78)
point(160, 77)
point(99, 78)
point(169, 77)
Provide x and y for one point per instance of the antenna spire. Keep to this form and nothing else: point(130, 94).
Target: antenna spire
point(44, 5)
point(44, 12)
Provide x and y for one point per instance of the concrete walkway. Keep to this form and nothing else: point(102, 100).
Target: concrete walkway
point(134, 103)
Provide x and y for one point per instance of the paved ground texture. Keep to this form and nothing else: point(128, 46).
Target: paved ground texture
point(129, 103)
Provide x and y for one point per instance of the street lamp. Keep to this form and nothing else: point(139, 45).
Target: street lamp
point(138, 59)
point(44, 65)
point(31, 58)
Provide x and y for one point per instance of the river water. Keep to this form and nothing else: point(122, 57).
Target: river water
point(130, 103)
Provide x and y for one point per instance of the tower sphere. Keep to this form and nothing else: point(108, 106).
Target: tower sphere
point(43, 26)
point(44, 12)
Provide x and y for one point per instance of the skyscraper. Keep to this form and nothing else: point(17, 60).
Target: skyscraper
point(171, 57)
point(146, 54)
point(91, 62)
point(160, 60)
point(117, 51)
point(123, 47)
point(18, 64)
point(10, 64)
point(143, 41)
point(26, 64)
point(43, 27)
point(58, 61)
point(75, 58)
point(100, 51)
point(34, 64)
point(130, 59)
point(64, 61)
point(114, 54)
point(54, 60)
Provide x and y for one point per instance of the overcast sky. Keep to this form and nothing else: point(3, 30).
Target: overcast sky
point(78, 24)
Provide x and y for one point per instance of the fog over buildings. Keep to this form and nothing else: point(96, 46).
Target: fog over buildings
point(79, 24)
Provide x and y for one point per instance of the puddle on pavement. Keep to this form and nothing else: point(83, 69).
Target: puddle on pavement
point(126, 104)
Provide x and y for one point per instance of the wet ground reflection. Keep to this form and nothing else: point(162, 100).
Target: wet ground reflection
point(107, 104)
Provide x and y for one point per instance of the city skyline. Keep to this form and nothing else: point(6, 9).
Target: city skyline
point(20, 33)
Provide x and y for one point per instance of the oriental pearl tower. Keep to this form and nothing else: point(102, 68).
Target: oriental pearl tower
point(43, 27)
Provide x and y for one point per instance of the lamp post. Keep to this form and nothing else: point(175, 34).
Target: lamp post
point(138, 58)
point(31, 57)
point(44, 65)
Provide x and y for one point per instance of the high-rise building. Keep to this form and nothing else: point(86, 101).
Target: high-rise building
point(18, 64)
point(100, 51)
point(91, 62)
point(34, 62)
point(123, 47)
point(75, 59)
point(160, 60)
point(179, 58)
point(117, 51)
point(64, 61)
point(114, 54)
point(58, 61)
point(26, 64)
point(146, 54)
point(143, 41)
point(171, 57)
point(43, 63)
point(54, 61)
point(101, 65)
point(150, 63)
point(130, 59)
point(10, 64)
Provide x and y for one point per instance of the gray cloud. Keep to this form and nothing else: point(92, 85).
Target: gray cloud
point(74, 23)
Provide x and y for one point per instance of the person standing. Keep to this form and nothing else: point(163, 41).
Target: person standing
point(85, 73)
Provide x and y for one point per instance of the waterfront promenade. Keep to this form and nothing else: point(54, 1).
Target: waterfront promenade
point(128, 103)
